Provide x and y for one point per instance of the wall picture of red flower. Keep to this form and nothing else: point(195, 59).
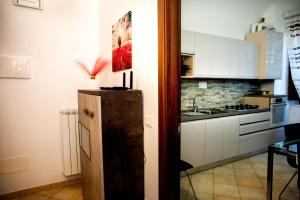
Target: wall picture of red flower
point(122, 44)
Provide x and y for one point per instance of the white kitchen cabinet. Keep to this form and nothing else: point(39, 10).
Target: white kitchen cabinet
point(230, 147)
point(260, 140)
point(244, 59)
point(270, 53)
point(213, 140)
point(192, 142)
point(254, 117)
point(219, 57)
point(187, 42)
point(211, 56)
point(253, 142)
point(254, 127)
point(221, 138)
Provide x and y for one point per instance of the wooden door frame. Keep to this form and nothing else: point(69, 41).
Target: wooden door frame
point(169, 34)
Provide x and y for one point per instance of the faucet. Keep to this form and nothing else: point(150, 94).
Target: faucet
point(194, 108)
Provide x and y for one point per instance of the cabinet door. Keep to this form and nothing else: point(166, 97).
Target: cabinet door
point(187, 42)
point(252, 59)
point(230, 136)
point(213, 140)
point(244, 61)
point(91, 166)
point(211, 56)
point(192, 142)
point(274, 51)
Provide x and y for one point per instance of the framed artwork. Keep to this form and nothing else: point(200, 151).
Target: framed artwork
point(122, 44)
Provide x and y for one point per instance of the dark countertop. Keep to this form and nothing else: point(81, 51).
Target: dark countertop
point(186, 118)
point(99, 92)
point(266, 95)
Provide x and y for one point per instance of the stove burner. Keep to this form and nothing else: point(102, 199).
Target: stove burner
point(241, 107)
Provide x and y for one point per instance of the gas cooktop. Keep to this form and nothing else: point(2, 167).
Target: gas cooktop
point(241, 107)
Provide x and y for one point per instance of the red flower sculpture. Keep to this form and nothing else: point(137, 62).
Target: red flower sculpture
point(100, 64)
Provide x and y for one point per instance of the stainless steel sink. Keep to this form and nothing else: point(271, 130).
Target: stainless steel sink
point(193, 113)
point(209, 111)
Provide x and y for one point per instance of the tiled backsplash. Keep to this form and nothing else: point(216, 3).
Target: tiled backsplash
point(218, 93)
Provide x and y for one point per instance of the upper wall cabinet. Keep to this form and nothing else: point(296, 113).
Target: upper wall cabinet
point(211, 56)
point(219, 57)
point(270, 53)
point(187, 42)
point(244, 59)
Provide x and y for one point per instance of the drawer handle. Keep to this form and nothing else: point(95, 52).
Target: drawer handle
point(88, 113)
point(91, 114)
point(85, 111)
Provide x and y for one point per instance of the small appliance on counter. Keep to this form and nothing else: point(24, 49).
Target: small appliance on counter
point(276, 103)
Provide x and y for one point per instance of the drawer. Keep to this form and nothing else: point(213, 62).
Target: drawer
point(254, 142)
point(255, 117)
point(260, 140)
point(254, 127)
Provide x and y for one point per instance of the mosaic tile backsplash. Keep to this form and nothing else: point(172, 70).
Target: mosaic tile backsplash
point(218, 93)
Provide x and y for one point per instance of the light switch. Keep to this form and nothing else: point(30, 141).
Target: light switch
point(15, 67)
point(149, 121)
point(38, 4)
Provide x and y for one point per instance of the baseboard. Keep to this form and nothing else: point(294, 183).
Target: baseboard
point(33, 190)
point(222, 162)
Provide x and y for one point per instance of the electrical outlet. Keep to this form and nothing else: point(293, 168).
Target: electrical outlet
point(202, 85)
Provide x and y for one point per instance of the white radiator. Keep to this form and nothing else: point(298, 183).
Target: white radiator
point(70, 138)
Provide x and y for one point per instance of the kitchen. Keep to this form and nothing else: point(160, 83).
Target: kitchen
point(226, 114)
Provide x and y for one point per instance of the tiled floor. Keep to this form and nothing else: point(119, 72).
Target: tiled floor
point(245, 180)
point(62, 193)
point(241, 180)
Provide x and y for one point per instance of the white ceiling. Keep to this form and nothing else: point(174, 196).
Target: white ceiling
point(230, 18)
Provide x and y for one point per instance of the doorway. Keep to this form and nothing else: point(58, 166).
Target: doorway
point(169, 97)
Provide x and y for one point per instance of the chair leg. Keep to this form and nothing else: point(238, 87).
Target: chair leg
point(190, 181)
point(287, 185)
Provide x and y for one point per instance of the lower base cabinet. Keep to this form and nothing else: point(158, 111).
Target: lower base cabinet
point(207, 141)
point(192, 142)
point(211, 140)
point(230, 137)
point(221, 138)
point(260, 140)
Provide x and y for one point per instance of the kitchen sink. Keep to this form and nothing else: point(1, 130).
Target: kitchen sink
point(212, 111)
point(204, 112)
point(193, 113)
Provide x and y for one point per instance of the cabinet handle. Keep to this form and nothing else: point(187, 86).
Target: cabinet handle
point(88, 113)
point(85, 111)
point(91, 114)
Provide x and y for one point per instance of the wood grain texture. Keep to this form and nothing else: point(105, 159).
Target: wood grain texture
point(91, 170)
point(123, 155)
point(262, 102)
point(260, 38)
point(116, 168)
point(169, 94)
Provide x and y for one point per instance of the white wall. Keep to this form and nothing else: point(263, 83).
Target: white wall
point(145, 67)
point(232, 18)
point(29, 110)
